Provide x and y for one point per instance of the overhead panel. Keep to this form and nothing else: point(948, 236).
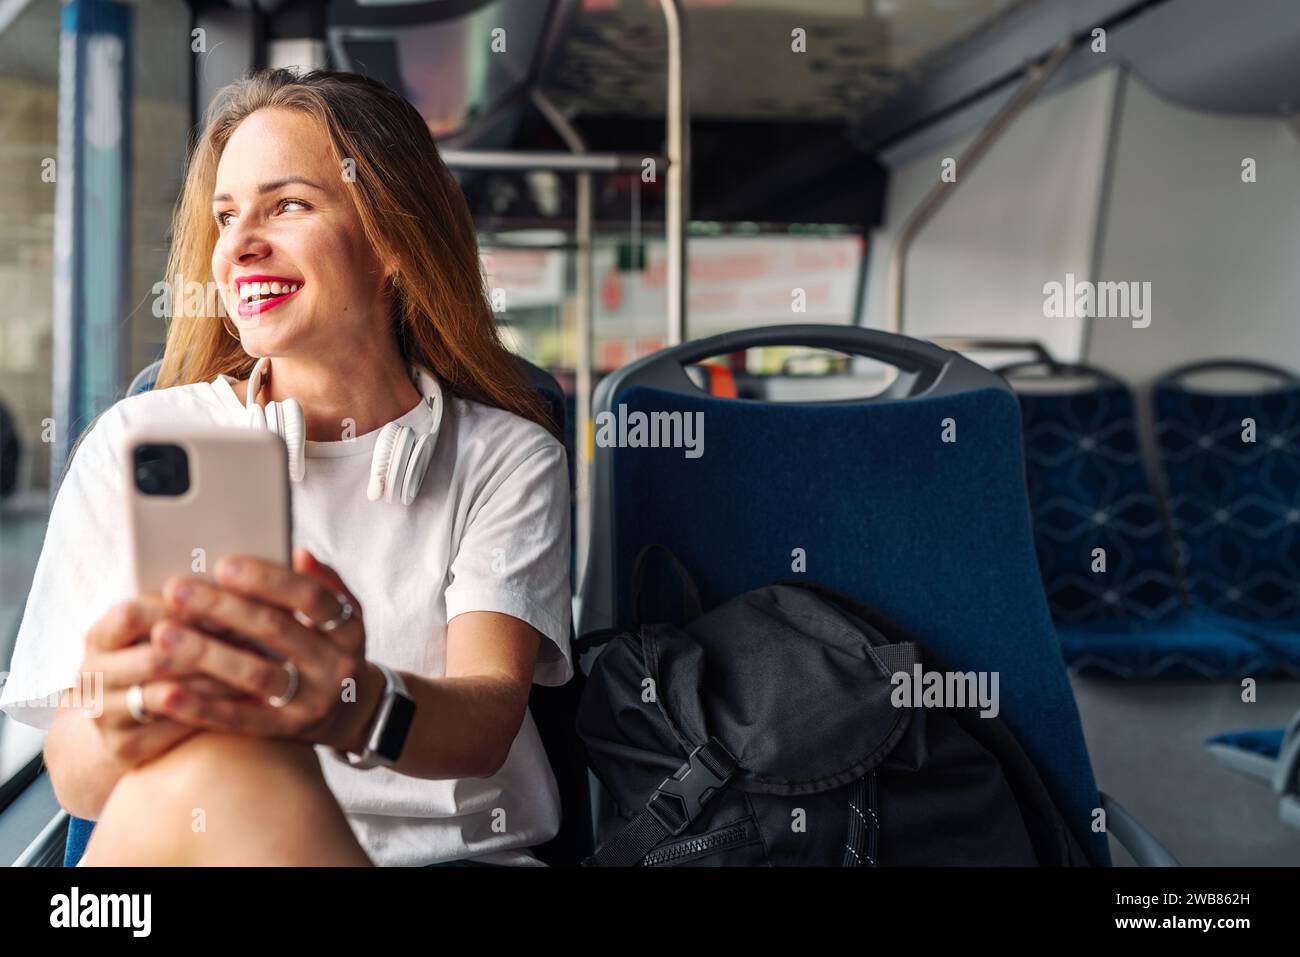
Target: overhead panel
point(456, 62)
point(761, 59)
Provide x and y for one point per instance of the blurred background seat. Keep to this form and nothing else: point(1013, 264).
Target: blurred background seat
point(1231, 460)
point(1103, 543)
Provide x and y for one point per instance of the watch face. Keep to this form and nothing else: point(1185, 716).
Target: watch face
point(397, 723)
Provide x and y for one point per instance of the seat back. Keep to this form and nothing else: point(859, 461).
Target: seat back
point(1232, 467)
point(554, 710)
point(1088, 490)
point(75, 845)
point(912, 501)
point(145, 379)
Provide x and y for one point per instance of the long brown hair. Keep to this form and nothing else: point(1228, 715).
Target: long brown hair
point(412, 211)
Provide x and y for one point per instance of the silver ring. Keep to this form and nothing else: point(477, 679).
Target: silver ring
point(337, 621)
point(135, 704)
point(280, 700)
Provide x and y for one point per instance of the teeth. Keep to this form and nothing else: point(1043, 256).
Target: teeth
point(257, 290)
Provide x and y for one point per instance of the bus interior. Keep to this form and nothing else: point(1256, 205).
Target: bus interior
point(829, 227)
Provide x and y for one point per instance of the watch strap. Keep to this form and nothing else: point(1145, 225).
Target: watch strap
point(394, 688)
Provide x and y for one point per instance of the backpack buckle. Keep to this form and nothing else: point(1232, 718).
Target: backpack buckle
point(680, 798)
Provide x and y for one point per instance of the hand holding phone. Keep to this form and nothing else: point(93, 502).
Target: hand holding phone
point(196, 495)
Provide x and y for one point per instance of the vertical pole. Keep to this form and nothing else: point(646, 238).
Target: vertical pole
point(584, 303)
point(92, 235)
point(583, 434)
point(678, 210)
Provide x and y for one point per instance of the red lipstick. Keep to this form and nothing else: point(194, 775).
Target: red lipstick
point(251, 307)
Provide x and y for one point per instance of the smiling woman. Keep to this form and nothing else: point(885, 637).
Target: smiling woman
point(341, 177)
point(423, 470)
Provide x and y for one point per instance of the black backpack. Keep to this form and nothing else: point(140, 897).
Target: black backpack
point(763, 733)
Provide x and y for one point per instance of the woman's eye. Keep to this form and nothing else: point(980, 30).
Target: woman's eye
point(220, 218)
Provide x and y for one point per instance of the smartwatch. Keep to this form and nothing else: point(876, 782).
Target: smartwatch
point(391, 725)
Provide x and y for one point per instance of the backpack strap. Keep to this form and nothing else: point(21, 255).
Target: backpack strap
point(677, 802)
point(864, 825)
point(691, 607)
point(594, 639)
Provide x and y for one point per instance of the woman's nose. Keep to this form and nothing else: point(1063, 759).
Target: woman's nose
point(241, 244)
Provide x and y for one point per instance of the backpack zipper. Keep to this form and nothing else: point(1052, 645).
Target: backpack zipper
point(695, 846)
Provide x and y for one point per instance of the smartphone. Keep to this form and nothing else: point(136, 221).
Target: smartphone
point(198, 494)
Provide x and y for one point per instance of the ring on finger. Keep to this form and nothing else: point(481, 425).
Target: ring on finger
point(280, 700)
point(135, 704)
point(344, 615)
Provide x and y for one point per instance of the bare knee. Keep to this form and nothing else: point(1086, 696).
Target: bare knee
point(225, 799)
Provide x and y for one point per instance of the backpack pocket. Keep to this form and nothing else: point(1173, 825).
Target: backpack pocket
point(740, 839)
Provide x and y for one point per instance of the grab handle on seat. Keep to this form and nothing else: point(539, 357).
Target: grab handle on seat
point(926, 368)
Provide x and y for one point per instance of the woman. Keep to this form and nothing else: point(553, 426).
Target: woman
point(325, 195)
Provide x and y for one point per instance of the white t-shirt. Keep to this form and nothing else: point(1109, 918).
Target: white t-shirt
point(489, 531)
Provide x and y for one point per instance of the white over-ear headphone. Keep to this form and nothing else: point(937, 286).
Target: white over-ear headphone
point(400, 459)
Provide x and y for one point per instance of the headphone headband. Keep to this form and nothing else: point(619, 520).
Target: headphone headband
point(401, 457)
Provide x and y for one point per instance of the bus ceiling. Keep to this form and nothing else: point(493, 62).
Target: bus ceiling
point(1245, 63)
point(886, 67)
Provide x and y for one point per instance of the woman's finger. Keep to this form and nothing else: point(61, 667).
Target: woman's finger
point(308, 564)
point(273, 629)
point(116, 714)
point(125, 622)
point(245, 671)
point(352, 636)
point(283, 587)
point(135, 664)
point(131, 742)
point(178, 703)
point(211, 687)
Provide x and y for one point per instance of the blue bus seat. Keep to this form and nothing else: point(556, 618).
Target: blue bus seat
point(1088, 490)
point(1232, 465)
point(554, 710)
point(78, 834)
point(935, 534)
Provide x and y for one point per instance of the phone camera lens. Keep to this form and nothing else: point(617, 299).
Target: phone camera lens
point(161, 469)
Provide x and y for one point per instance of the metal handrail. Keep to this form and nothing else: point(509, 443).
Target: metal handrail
point(941, 191)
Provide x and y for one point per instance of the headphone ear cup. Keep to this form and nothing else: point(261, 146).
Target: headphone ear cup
point(274, 418)
point(402, 447)
point(416, 468)
point(292, 427)
point(379, 464)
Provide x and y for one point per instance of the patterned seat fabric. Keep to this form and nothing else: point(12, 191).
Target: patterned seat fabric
point(1232, 463)
point(1104, 547)
point(1088, 491)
